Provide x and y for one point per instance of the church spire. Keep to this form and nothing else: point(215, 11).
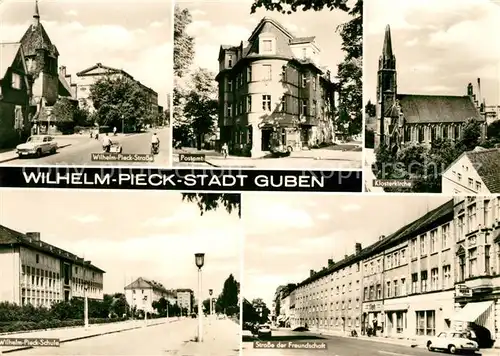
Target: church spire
point(36, 15)
point(387, 51)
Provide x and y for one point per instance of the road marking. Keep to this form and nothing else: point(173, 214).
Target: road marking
point(393, 353)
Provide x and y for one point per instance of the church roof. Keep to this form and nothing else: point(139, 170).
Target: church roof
point(8, 53)
point(487, 165)
point(36, 38)
point(437, 108)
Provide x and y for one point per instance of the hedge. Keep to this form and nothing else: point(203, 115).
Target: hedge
point(51, 324)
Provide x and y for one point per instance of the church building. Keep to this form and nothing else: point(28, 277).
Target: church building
point(416, 118)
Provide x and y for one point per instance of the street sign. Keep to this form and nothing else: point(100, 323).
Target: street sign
point(461, 290)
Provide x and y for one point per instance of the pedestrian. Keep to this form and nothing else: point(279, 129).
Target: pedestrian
point(225, 149)
point(114, 131)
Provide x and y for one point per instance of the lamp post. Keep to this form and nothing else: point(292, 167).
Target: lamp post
point(145, 298)
point(85, 305)
point(210, 292)
point(123, 124)
point(200, 260)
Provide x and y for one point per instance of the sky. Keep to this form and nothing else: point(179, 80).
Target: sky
point(229, 22)
point(132, 234)
point(440, 45)
point(135, 36)
point(286, 235)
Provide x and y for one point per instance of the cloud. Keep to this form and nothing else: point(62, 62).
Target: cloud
point(324, 216)
point(72, 13)
point(87, 219)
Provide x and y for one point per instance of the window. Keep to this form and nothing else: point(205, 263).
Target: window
point(403, 256)
point(371, 267)
point(249, 74)
point(388, 261)
point(314, 83)
point(434, 279)
point(266, 102)
point(460, 227)
point(303, 107)
point(472, 222)
point(478, 186)
point(267, 45)
point(423, 281)
point(16, 81)
point(470, 181)
point(267, 72)
point(371, 295)
point(366, 294)
point(229, 110)
point(472, 262)
point(388, 292)
point(37, 258)
point(433, 241)
point(230, 60)
point(350, 287)
point(396, 290)
point(399, 322)
point(283, 104)
point(379, 291)
point(446, 276)
point(283, 74)
point(461, 269)
point(249, 103)
point(445, 230)
point(229, 85)
point(487, 213)
point(414, 283)
point(423, 246)
point(459, 177)
point(414, 248)
point(426, 322)
point(487, 259)
point(304, 53)
point(304, 80)
point(403, 286)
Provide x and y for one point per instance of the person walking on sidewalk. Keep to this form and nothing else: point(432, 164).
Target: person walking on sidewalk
point(225, 150)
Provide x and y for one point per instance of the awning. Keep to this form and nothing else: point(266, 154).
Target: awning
point(474, 312)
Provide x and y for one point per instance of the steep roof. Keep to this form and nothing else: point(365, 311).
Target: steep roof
point(63, 84)
point(142, 283)
point(301, 40)
point(36, 38)
point(425, 222)
point(437, 108)
point(10, 237)
point(8, 53)
point(487, 165)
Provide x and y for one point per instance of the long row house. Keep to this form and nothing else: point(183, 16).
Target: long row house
point(440, 272)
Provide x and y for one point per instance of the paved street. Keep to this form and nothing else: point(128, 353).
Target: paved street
point(171, 338)
point(80, 150)
point(338, 346)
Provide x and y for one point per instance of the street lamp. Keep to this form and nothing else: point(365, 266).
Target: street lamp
point(199, 260)
point(210, 292)
point(85, 305)
point(145, 298)
point(123, 124)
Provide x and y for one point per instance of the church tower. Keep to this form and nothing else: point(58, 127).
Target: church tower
point(386, 88)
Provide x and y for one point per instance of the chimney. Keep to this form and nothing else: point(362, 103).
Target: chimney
point(35, 236)
point(311, 273)
point(470, 90)
point(330, 262)
point(345, 256)
point(381, 237)
point(358, 248)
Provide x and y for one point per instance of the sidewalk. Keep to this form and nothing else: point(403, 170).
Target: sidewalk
point(79, 333)
point(222, 337)
point(418, 342)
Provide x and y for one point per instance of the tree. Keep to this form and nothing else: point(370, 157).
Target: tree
point(64, 110)
point(200, 108)
point(162, 306)
point(493, 131)
point(289, 6)
point(229, 298)
point(250, 315)
point(471, 135)
point(119, 100)
point(183, 43)
point(370, 109)
point(260, 306)
point(213, 201)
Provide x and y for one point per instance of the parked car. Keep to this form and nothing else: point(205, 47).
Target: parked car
point(453, 342)
point(37, 145)
point(264, 330)
point(115, 148)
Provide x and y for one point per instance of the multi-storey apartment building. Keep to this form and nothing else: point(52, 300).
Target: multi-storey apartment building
point(440, 272)
point(37, 273)
point(185, 299)
point(141, 294)
point(273, 91)
point(331, 298)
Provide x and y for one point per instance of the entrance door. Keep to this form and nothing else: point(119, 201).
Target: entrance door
point(304, 135)
point(66, 295)
point(266, 139)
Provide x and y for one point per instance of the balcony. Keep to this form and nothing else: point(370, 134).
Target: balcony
point(480, 284)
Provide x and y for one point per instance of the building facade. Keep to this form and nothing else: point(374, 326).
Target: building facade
point(474, 172)
point(413, 118)
point(273, 92)
point(440, 272)
point(142, 293)
point(185, 298)
point(37, 273)
point(15, 95)
point(87, 77)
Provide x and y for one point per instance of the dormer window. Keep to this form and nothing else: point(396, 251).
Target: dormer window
point(267, 44)
point(16, 81)
point(230, 60)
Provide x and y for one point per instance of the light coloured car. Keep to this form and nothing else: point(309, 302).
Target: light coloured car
point(37, 145)
point(453, 342)
point(264, 330)
point(115, 148)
